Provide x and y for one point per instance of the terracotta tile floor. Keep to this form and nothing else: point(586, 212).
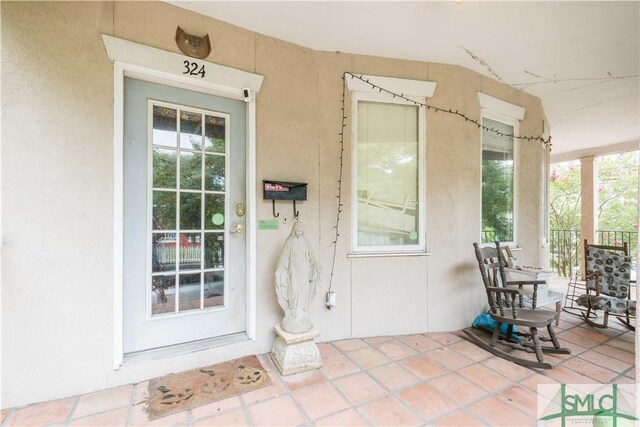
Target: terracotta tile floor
point(425, 379)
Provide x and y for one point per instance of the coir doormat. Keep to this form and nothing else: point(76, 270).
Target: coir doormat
point(180, 392)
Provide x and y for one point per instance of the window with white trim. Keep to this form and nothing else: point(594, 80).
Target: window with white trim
point(388, 151)
point(388, 164)
point(498, 181)
point(499, 169)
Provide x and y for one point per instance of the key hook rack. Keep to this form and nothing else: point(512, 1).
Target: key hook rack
point(284, 190)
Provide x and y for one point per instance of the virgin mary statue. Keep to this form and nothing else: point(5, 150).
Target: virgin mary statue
point(297, 280)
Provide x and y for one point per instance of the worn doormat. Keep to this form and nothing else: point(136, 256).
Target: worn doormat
point(180, 392)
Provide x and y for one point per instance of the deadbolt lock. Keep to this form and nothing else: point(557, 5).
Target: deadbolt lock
point(240, 208)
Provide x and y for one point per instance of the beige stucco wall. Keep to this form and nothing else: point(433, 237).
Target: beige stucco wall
point(57, 191)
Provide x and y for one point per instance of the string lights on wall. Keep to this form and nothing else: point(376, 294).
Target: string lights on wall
point(545, 141)
point(339, 196)
point(466, 118)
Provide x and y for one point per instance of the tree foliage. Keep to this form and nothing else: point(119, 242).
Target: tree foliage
point(616, 209)
point(497, 200)
point(617, 193)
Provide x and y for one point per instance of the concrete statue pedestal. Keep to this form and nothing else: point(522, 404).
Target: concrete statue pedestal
point(295, 353)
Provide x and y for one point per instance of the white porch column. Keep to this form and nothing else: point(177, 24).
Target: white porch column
point(589, 201)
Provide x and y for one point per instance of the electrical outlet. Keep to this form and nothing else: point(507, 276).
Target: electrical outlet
point(331, 299)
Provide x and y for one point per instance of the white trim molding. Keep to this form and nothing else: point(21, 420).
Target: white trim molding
point(498, 106)
point(419, 91)
point(408, 87)
point(510, 114)
point(225, 79)
point(159, 66)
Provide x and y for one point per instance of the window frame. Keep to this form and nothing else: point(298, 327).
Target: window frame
point(371, 96)
point(178, 231)
point(485, 113)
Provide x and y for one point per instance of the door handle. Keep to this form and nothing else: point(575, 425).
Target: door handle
point(239, 229)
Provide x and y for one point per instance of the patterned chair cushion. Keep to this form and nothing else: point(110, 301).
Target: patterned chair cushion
point(609, 304)
point(615, 272)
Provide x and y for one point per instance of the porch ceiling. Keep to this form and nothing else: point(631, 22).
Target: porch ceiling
point(573, 55)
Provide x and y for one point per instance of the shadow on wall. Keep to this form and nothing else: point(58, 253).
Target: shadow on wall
point(465, 268)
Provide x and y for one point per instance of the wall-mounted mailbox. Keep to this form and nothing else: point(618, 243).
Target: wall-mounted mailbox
point(281, 190)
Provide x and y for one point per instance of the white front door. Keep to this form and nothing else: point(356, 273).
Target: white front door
point(184, 216)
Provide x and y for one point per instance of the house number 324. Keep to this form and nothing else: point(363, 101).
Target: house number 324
point(192, 69)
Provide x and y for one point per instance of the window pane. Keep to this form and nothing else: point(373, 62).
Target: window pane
point(164, 168)
point(190, 211)
point(165, 130)
point(163, 294)
point(213, 250)
point(190, 251)
point(213, 288)
point(189, 292)
point(214, 174)
point(190, 170)
point(164, 210)
point(497, 182)
point(180, 249)
point(190, 130)
point(163, 252)
point(387, 169)
point(214, 212)
point(214, 134)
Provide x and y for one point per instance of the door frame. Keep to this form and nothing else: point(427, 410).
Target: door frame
point(160, 66)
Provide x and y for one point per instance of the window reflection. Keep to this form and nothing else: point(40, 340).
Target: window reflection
point(497, 182)
point(213, 288)
point(187, 249)
point(189, 292)
point(164, 210)
point(214, 134)
point(164, 168)
point(163, 294)
point(190, 251)
point(190, 170)
point(214, 173)
point(165, 126)
point(163, 252)
point(214, 250)
point(190, 130)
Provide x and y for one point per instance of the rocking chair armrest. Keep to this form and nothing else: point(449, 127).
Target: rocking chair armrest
point(527, 282)
point(504, 290)
point(535, 283)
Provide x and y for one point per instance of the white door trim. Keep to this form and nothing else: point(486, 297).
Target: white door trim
point(160, 66)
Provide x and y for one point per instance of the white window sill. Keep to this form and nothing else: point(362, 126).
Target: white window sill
point(386, 254)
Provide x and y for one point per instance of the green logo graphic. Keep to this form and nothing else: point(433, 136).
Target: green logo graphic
point(217, 219)
point(602, 407)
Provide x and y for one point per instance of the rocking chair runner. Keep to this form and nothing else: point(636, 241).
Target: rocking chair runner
point(608, 287)
point(506, 307)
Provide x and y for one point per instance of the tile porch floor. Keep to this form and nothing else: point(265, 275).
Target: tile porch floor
point(423, 379)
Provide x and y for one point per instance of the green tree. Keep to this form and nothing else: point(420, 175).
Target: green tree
point(564, 196)
point(617, 193)
point(616, 210)
point(497, 200)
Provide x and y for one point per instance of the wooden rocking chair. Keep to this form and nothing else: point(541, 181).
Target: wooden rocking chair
point(506, 307)
point(608, 284)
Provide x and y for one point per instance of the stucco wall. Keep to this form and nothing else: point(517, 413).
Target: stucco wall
point(57, 191)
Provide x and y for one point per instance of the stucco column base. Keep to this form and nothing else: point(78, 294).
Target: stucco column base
point(295, 353)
